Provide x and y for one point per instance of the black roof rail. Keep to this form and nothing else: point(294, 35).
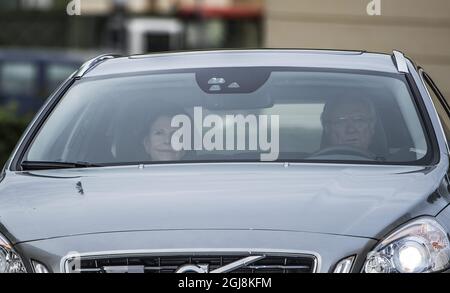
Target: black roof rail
point(88, 65)
point(400, 61)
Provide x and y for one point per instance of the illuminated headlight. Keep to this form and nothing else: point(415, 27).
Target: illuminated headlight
point(421, 246)
point(10, 261)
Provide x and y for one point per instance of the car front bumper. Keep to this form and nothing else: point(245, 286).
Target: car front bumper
point(328, 249)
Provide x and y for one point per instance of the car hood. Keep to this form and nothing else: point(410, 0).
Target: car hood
point(361, 201)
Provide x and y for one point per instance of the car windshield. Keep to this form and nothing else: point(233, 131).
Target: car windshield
point(235, 115)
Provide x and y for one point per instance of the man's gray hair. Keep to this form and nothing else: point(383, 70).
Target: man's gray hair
point(332, 104)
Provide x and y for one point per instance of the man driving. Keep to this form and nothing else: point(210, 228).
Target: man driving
point(348, 123)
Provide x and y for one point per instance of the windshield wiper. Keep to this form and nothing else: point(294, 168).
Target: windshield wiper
point(40, 165)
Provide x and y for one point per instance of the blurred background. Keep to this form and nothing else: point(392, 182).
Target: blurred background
point(43, 41)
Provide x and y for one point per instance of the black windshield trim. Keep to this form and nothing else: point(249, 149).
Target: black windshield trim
point(250, 161)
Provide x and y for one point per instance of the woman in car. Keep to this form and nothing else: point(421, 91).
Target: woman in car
point(158, 135)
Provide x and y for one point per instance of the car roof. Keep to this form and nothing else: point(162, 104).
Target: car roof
point(330, 59)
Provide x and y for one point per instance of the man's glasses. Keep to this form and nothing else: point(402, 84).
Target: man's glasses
point(358, 121)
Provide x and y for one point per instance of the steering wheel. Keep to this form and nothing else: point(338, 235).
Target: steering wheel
point(344, 150)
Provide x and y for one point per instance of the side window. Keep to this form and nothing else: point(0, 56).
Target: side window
point(440, 103)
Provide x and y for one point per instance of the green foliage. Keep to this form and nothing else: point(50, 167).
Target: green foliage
point(12, 126)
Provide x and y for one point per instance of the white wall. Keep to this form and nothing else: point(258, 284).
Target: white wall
point(420, 28)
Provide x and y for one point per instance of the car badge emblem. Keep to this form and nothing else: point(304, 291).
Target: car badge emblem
point(204, 268)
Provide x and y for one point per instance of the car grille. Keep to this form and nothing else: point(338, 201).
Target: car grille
point(254, 263)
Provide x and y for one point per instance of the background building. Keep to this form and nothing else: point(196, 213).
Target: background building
point(419, 28)
point(110, 24)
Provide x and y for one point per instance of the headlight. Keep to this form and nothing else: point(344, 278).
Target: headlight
point(421, 246)
point(10, 261)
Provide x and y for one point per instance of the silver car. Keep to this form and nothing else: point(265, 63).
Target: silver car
point(251, 161)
